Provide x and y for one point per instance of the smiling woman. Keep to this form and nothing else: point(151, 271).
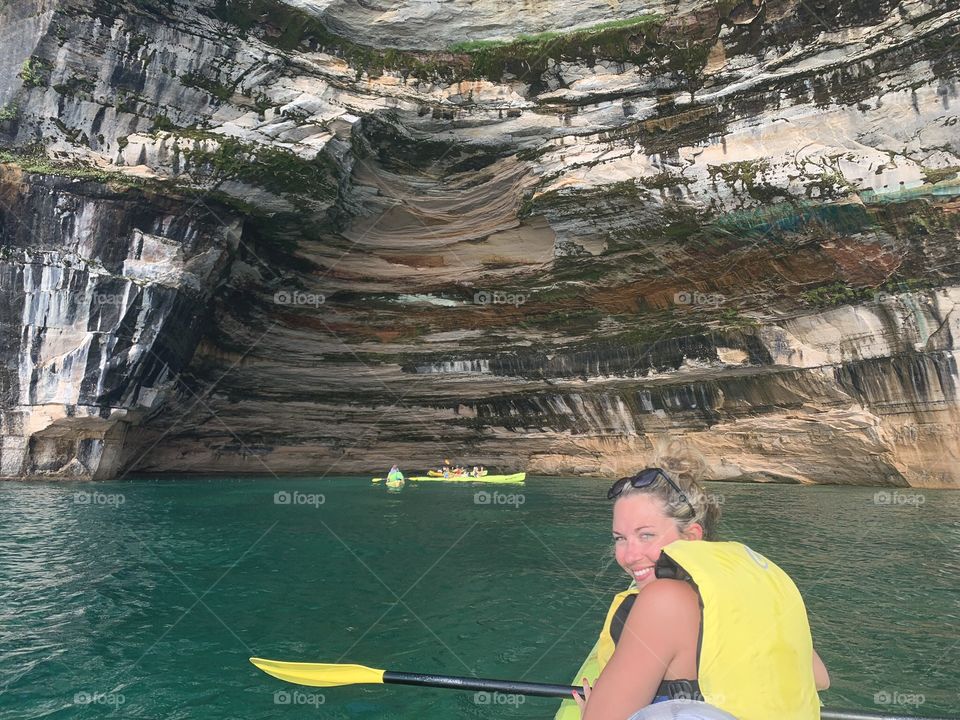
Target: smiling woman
point(708, 622)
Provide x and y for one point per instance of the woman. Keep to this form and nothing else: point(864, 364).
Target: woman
point(748, 651)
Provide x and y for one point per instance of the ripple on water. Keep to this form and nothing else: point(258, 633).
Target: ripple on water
point(105, 599)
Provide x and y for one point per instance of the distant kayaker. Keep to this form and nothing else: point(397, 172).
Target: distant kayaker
point(748, 655)
point(395, 474)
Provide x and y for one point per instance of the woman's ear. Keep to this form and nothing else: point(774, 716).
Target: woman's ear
point(694, 532)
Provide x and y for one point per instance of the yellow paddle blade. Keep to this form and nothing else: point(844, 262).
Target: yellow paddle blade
point(376, 479)
point(320, 674)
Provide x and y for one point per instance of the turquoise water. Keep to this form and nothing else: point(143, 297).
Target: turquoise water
point(146, 600)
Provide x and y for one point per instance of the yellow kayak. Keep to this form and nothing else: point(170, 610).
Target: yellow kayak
point(569, 710)
point(438, 474)
point(515, 478)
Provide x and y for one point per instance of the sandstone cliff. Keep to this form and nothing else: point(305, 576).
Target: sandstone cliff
point(317, 236)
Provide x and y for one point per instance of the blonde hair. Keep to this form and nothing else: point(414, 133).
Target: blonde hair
point(700, 507)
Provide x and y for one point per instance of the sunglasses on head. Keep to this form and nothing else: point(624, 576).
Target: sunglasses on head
point(645, 478)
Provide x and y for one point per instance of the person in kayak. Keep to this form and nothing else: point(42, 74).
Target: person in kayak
point(714, 627)
point(395, 474)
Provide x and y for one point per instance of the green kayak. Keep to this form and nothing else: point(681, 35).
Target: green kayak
point(515, 478)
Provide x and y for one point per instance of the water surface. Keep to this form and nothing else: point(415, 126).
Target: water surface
point(145, 599)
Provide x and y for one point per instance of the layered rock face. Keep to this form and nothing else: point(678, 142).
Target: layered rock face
point(104, 298)
point(718, 237)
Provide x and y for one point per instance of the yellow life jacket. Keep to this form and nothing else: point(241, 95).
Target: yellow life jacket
point(755, 659)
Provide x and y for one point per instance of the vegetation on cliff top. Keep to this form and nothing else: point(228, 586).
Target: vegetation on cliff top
point(275, 169)
point(632, 40)
point(841, 293)
point(34, 160)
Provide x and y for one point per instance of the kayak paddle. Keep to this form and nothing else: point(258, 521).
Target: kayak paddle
point(333, 674)
point(852, 715)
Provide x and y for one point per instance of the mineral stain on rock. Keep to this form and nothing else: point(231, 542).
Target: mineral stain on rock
point(255, 236)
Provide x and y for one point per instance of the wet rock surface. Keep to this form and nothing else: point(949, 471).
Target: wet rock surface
point(722, 238)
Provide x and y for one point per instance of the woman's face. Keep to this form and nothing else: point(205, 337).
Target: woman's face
point(641, 529)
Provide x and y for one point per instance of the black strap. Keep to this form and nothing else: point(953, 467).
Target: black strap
point(668, 568)
point(680, 690)
point(620, 617)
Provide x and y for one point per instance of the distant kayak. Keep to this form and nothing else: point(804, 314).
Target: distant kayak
point(515, 478)
point(438, 474)
point(394, 483)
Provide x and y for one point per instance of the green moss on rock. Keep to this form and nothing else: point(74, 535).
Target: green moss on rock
point(31, 161)
point(933, 176)
point(10, 111)
point(35, 72)
point(76, 85)
point(214, 87)
point(281, 171)
point(632, 40)
point(529, 56)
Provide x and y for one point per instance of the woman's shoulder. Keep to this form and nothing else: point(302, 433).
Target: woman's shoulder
point(660, 621)
point(666, 598)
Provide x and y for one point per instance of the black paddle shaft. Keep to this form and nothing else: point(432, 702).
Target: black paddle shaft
point(511, 687)
point(854, 715)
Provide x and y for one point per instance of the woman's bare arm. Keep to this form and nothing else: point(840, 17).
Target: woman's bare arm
point(820, 674)
point(646, 648)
